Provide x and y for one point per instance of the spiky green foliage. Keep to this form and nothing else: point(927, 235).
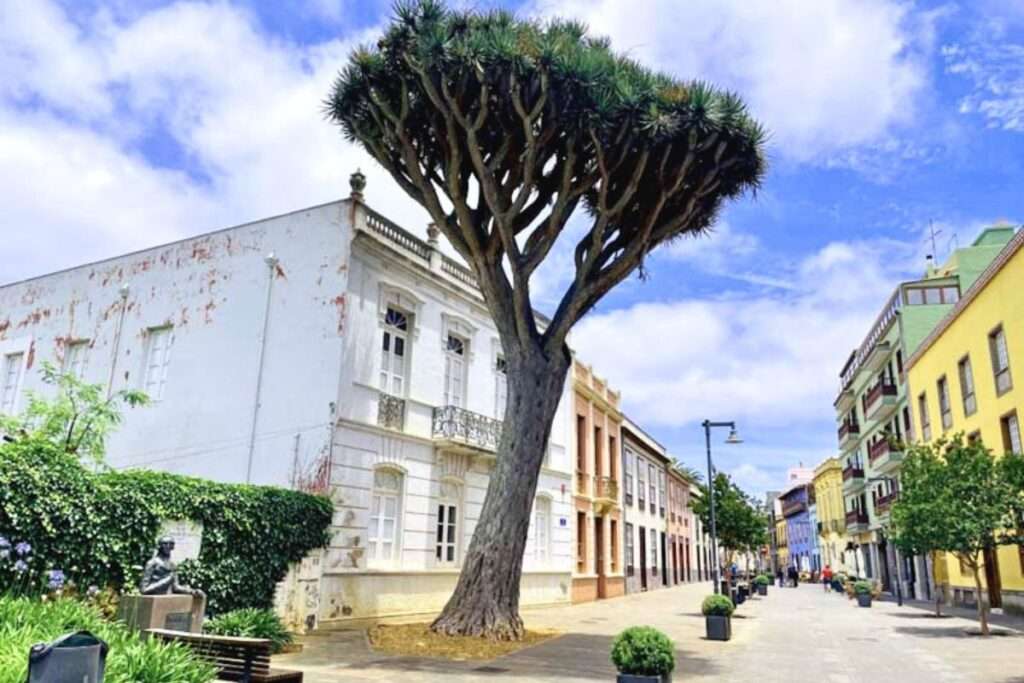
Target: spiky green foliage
point(251, 623)
point(501, 126)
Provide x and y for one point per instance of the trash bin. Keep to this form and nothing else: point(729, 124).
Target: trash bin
point(80, 657)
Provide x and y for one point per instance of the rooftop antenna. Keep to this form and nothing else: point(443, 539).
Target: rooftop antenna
point(933, 234)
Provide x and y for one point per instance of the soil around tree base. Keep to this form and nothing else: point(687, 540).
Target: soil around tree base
point(417, 640)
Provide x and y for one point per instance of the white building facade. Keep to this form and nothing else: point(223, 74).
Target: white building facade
point(644, 506)
point(327, 350)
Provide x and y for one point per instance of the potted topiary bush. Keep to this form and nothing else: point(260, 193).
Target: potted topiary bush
point(643, 655)
point(862, 589)
point(717, 611)
point(762, 581)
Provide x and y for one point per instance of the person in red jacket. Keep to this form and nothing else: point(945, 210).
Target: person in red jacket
point(826, 577)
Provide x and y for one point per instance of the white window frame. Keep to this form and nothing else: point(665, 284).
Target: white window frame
point(376, 540)
point(391, 380)
point(154, 370)
point(76, 357)
point(448, 524)
point(11, 380)
point(542, 517)
point(1012, 423)
point(456, 370)
point(628, 550)
point(627, 474)
point(652, 487)
point(641, 482)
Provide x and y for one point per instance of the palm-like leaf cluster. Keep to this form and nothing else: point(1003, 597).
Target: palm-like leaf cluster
point(501, 126)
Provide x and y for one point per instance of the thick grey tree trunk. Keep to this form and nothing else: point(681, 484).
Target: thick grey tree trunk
point(486, 599)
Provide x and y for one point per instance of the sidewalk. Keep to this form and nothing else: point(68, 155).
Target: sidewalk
point(1011, 621)
point(791, 636)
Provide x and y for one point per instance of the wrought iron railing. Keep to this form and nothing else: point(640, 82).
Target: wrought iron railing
point(390, 411)
point(459, 424)
point(848, 428)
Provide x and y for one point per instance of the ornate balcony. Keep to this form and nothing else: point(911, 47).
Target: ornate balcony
point(606, 494)
point(849, 434)
point(884, 457)
point(459, 429)
point(880, 400)
point(390, 411)
point(856, 521)
point(844, 401)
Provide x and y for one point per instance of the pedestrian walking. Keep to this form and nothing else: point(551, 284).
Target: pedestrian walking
point(794, 576)
point(826, 577)
point(778, 577)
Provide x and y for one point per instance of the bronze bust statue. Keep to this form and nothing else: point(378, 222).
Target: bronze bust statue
point(161, 575)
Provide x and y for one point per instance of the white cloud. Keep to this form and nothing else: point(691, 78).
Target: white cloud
point(244, 109)
point(769, 359)
point(824, 76)
point(995, 68)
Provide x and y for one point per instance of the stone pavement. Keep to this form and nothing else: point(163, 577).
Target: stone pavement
point(791, 635)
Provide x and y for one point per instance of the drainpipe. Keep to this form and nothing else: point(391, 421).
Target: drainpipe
point(124, 291)
point(271, 262)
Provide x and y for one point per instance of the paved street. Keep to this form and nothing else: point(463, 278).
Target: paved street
point(791, 635)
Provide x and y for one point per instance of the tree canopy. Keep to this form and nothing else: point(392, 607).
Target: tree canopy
point(739, 526)
point(955, 497)
point(501, 127)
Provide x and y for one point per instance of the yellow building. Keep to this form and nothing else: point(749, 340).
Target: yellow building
point(828, 491)
point(962, 380)
point(781, 542)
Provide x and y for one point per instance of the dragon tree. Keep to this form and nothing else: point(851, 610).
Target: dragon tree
point(504, 129)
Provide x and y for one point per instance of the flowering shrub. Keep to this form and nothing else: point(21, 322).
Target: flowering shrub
point(62, 523)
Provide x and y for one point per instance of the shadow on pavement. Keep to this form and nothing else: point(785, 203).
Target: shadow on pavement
point(949, 632)
point(574, 656)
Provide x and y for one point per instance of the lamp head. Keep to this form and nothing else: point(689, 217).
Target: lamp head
point(733, 437)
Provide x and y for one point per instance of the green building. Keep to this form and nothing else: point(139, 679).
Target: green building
point(872, 405)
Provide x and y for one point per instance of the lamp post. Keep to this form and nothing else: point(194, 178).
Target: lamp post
point(895, 551)
point(733, 438)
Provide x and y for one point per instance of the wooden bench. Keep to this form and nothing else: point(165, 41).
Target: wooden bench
point(237, 659)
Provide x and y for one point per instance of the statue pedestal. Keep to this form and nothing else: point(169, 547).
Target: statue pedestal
point(172, 612)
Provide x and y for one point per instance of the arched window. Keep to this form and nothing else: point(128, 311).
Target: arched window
point(455, 356)
point(449, 506)
point(394, 352)
point(385, 517)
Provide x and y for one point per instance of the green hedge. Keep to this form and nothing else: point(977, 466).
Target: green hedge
point(100, 529)
point(643, 651)
point(251, 623)
point(25, 622)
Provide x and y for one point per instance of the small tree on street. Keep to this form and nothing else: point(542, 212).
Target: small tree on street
point(739, 526)
point(955, 498)
point(503, 130)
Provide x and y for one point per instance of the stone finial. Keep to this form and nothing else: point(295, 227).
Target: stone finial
point(433, 232)
point(357, 181)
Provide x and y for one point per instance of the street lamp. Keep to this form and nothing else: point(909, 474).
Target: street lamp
point(733, 438)
point(895, 551)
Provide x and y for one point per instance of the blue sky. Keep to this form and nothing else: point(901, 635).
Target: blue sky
point(125, 124)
